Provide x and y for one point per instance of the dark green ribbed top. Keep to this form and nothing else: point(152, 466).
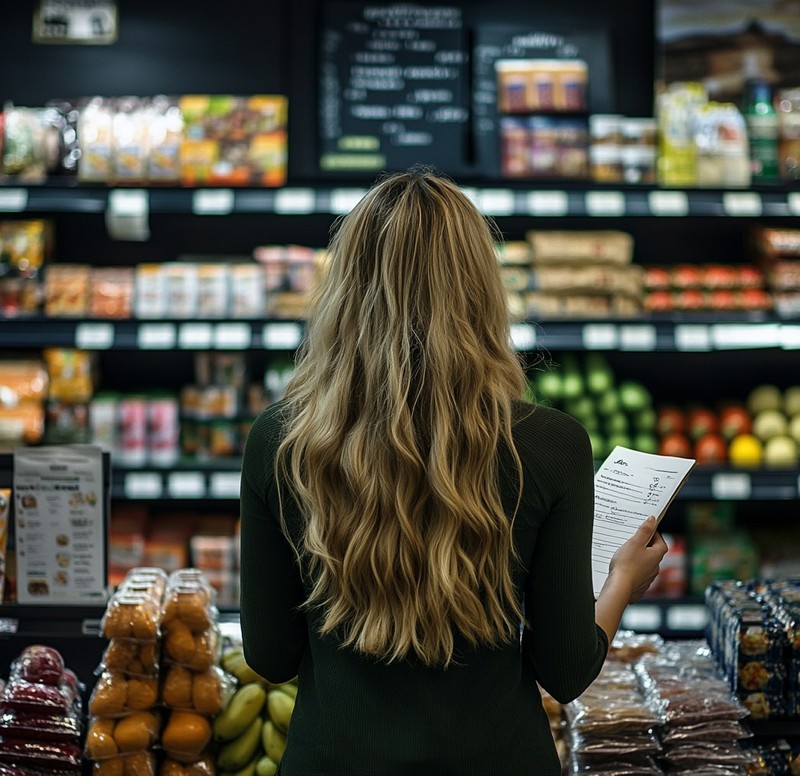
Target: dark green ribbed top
point(482, 717)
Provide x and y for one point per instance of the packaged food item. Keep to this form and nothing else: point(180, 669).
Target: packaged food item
point(181, 288)
point(132, 764)
point(212, 291)
point(71, 374)
point(150, 296)
point(580, 246)
point(130, 140)
point(58, 758)
point(96, 133)
point(248, 291)
point(788, 107)
point(677, 108)
point(131, 657)
point(132, 414)
point(186, 735)
point(188, 602)
point(131, 614)
point(24, 144)
point(111, 294)
point(720, 139)
point(163, 430)
point(5, 508)
point(165, 126)
point(66, 290)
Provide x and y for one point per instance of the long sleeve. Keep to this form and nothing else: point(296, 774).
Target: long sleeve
point(563, 642)
point(273, 630)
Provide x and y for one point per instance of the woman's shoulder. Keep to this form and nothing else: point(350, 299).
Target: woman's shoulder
point(546, 433)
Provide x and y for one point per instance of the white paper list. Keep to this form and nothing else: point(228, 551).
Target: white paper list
point(630, 486)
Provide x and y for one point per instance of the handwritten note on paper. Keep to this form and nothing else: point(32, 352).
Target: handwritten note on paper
point(630, 486)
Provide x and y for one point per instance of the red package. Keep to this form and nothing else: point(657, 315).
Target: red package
point(33, 726)
point(39, 754)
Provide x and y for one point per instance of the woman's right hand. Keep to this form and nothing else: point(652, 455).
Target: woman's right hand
point(637, 561)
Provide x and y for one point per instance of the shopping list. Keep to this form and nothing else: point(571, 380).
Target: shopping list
point(630, 486)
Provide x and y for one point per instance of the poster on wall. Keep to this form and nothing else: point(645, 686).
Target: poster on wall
point(723, 44)
point(533, 91)
point(60, 525)
point(75, 21)
point(393, 87)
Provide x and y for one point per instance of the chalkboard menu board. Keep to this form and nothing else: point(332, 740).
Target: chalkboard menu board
point(529, 79)
point(393, 87)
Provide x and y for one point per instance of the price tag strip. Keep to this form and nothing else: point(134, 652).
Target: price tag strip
point(548, 203)
point(94, 336)
point(523, 336)
point(599, 336)
point(734, 486)
point(605, 203)
point(13, 200)
point(213, 202)
point(637, 338)
point(282, 336)
point(156, 336)
point(195, 336)
point(224, 485)
point(295, 201)
point(143, 485)
point(668, 203)
point(186, 485)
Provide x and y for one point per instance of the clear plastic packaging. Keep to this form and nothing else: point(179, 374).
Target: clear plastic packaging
point(34, 726)
point(20, 695)
point(186, 736)
point(135, 764)
point(189, 601)
point(206, 692)
point(39, 663)
point(115, 695)
point(197, 651)
point(131, 657)
point(131, 614)
point(202, 767)
point(50, 756)
point(107, 738)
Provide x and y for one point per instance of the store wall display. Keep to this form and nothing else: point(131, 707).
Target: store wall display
point(393, 87)
point(713, 336)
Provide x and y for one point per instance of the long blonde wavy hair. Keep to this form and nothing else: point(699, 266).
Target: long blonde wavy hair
point(401, 399)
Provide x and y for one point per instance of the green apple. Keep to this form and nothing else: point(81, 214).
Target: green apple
point(608, 403)
point(633, 396)
point(644, 420)
point(768, 424)
point(781, 451)
point(764, 397)
point(549, 386)
point(616, 424)
point(646, 443)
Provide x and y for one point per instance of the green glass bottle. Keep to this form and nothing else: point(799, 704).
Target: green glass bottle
point(762, 130)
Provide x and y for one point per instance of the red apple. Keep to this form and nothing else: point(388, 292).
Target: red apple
point(670, 420)
point(750, 277)
point(675, 444)
point(723, 299)
point(711, 448)
point(755, 299)
point(687, 276)
point(38, 663)
point(656, 278)
point(702, 421)
point(734, 420)
point(720, 276)
point(692, 299)
point(658, 301)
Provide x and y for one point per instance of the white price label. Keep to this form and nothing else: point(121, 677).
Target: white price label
point(224, 484)
point(523, 336)
point(668, 203)
point(94, 336)
point(637, 338)
point(687, 617)
point(127, 214)
point(471, 194)
point(599, 336)
point(605, 203)
point(793, 201)
point(212, 202)
point(282, 336)
point(295, 201)
point(496, 202)
point(741, 203)
point(232, 336)
point(692, 337)
point(642, 617)
point(195, 336)
point(13, 200)
point(728, 336)
point(790, 337)
point(344, 200)
point(548, 203)
point(143, 485)
point(186, 485)
point(731, 485)
point(155, 336)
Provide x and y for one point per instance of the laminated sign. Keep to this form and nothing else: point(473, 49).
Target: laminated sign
point(60, 524)
point(75, 21)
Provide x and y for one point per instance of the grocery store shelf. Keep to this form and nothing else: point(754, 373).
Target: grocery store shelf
point(681, 333)
point(150, 335)
point(517, 199)
point(218, 479)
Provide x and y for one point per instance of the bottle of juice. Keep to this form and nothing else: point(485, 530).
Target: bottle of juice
point(762, 130)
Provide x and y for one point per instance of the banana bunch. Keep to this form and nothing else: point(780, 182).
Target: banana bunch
point(251, 730)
